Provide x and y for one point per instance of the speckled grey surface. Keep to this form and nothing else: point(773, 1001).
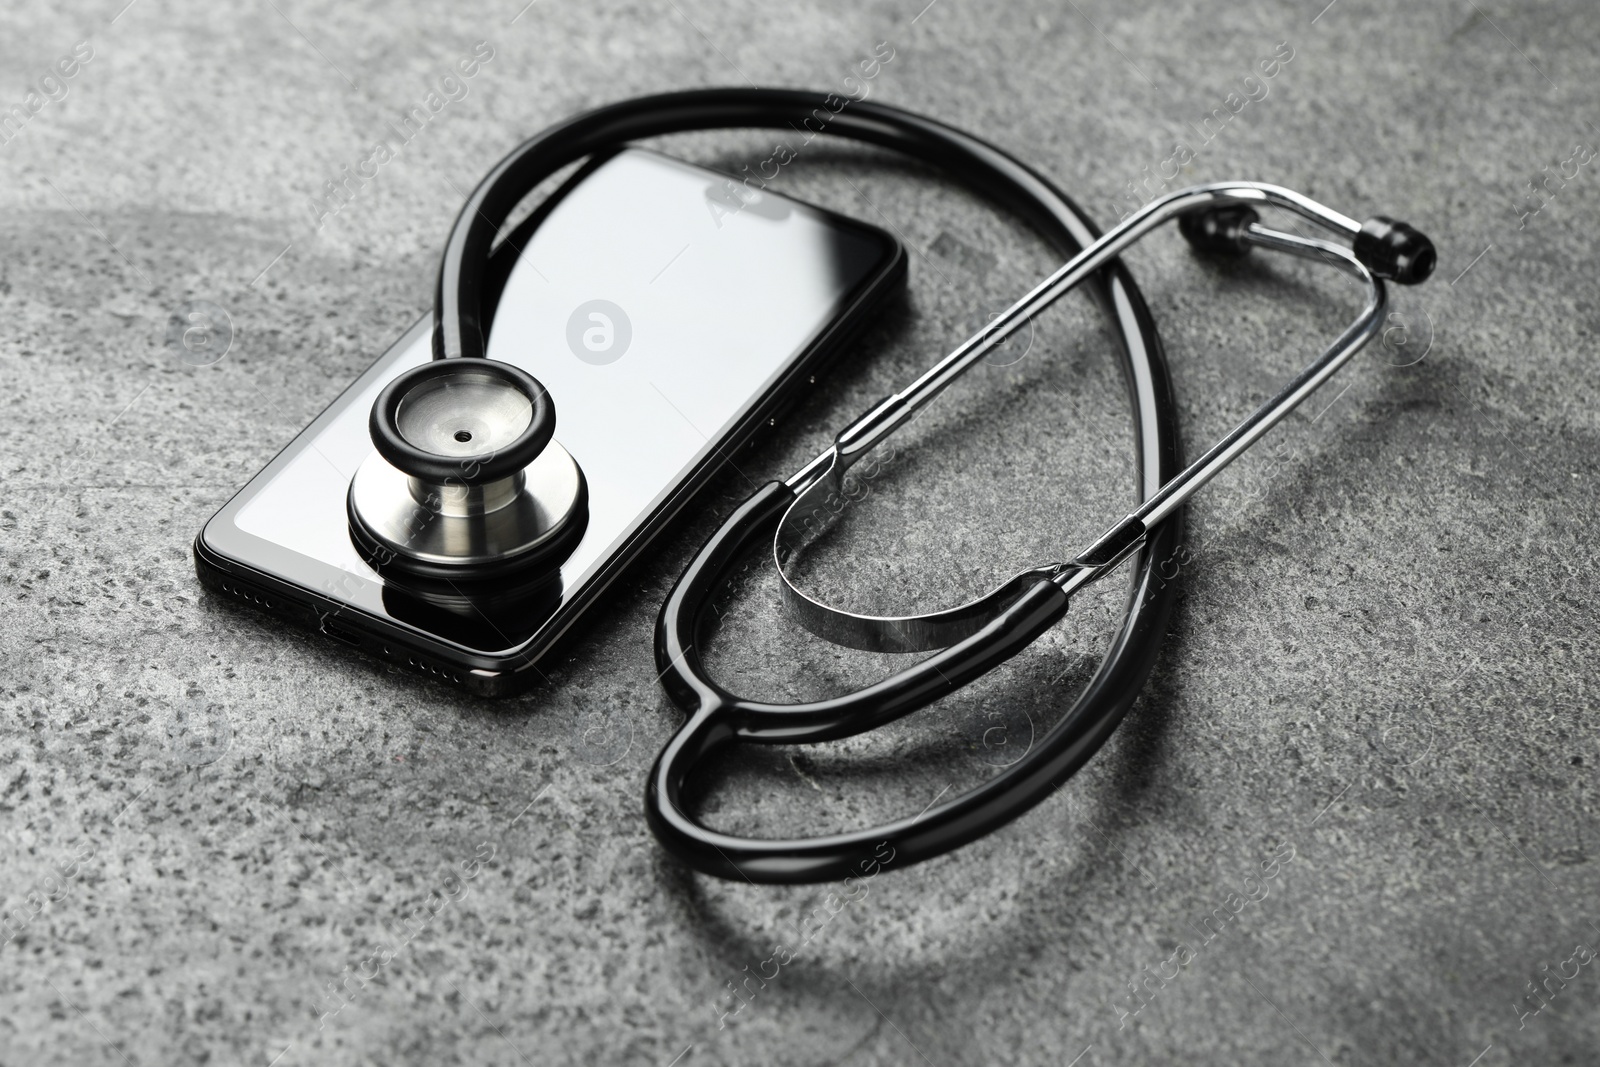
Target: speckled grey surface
point(1383, 665)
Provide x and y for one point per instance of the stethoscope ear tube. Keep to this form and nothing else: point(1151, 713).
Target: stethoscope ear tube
point(720, 718)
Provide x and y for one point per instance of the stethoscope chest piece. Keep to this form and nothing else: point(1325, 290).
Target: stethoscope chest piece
point(466, 482)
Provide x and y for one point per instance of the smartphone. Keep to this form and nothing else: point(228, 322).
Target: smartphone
point(670, 311)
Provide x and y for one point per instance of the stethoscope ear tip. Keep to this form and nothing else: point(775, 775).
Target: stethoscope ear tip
point(1219, 231)
point(1395, 251)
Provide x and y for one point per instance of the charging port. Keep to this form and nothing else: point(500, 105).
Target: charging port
point(339, 633)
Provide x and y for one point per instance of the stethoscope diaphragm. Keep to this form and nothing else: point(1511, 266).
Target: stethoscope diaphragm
point(467, 482)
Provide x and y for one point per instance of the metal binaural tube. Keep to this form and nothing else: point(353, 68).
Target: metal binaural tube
point(1118, 543)
point(894, 411)
point(1269, 414)
point(1231, 227)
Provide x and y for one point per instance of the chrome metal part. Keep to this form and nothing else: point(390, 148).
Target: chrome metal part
point(496, 523)
point(818, 481)
point(464, 415)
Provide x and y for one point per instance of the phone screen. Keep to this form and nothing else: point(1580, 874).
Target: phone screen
point(663, 306)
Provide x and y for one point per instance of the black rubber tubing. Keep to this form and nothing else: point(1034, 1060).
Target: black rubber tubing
point(716, 719)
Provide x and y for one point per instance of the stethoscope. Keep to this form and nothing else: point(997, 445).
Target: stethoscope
point(967, 640)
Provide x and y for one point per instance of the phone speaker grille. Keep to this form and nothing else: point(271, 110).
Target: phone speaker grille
point(245, 595)
point(434, 669)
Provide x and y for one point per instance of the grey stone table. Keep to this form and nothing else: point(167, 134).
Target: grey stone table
point(1349, 821)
